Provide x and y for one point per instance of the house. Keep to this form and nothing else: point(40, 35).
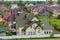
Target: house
point(54, 5)
point(3, 6)
point(16, 10)
point(20, 8)
point(28, 24)
point(12, 24)
point(40, 5)
point(56, 12)
point(45, 12)
point(13, 6)
point(29, 5)
point(35, 10)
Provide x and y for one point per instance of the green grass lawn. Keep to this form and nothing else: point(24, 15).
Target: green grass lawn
point(37, 39)
point(52, 21)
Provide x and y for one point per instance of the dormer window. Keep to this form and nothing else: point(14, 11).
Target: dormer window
point(35, 19)
point(33, 26)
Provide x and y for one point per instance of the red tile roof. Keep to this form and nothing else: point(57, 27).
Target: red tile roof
point(6, 16)
point(47, 6)
point(37, 9)
point(20, 8)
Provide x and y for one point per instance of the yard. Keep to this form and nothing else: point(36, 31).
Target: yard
point(38, 39)
point(52, 21)
point(1, 24)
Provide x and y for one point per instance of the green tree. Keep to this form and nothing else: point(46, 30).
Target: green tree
point(58, 1)
point(21, 3)
point(50, 2)
point(7, 3)
point(52, 35)
point(51, 13)
point(5, 11)
point(40, 2)
point(34, 2)
point(29, 10)
point(55, 25)
point(58, 17)
point(25, 8)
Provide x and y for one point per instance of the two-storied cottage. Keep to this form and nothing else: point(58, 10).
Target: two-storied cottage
point(29, 24)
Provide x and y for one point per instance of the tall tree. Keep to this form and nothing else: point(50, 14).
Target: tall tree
point(50, 2)
point(58, 17)
point(7, 3)
point(58, 1)
point(40, 2)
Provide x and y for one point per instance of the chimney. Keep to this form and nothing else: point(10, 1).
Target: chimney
point(26, 22)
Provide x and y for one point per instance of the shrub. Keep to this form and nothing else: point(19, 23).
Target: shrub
point(52, 35)
point(8, 33)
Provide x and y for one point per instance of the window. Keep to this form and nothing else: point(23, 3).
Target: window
point(31, 33)
point(14, 33)
point(44, 32)
point(33, 26)
point(28, 33)
point(13, 27)
point(38, 30)
point(47, 32)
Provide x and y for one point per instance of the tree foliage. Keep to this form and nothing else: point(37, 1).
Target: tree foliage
point(58, 17)
point(50, 2)
point(40, 2)
point(58, 1)
point(51, 13)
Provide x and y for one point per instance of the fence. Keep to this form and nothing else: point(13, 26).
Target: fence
point(28, 36)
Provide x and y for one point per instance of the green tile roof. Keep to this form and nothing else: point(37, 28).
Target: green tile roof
point(21, 23)
point(3, 29)
point(30, 16)
point(46, 25)
point(30, 24)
